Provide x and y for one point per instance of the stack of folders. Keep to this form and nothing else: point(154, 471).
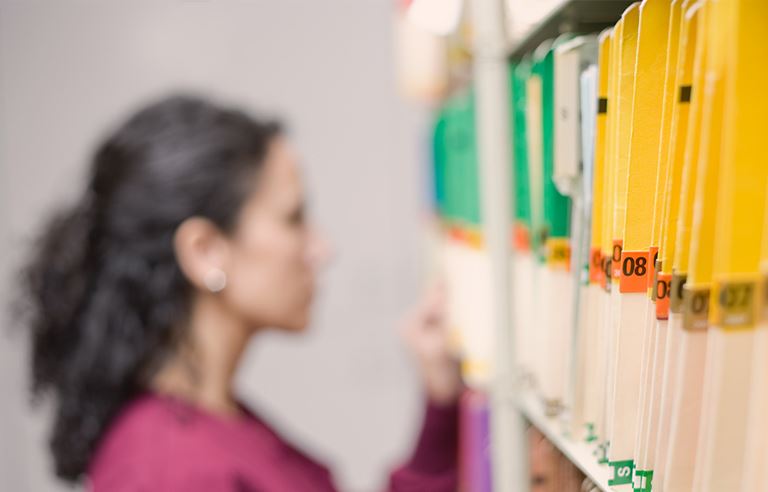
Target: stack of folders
point(465, 268)
point(639, 241)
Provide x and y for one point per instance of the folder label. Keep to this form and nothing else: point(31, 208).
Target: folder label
point(595, 266)
point(601, 452)
point(661, 295)
point(476, 367)
point(605, 278)
point(602, 105)
point(656, 273)
point(653, 256)
point(616, 259)
point(676, 292)
point(695, 307)
point(764, 297)
point(643, 480)
point(685, 93)
point(622, 472)
point(558, 252)
point(466, 236)
point(735, 303)
point(634, 272)
point(590, 434)
point(521, 238)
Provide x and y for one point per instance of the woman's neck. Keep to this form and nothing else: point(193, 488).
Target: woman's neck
point(202, 369)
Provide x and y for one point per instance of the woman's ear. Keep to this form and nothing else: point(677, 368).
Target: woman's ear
point(201, 250)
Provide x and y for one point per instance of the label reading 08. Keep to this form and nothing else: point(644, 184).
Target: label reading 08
point(634, 272)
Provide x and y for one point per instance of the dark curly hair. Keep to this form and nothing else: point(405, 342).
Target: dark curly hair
point(104, 298)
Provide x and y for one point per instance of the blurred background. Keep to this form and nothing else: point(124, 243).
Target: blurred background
point(71, 69)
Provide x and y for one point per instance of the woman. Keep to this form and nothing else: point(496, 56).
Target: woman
point(190, 239)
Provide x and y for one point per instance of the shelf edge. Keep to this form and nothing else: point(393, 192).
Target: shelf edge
point(580, 454)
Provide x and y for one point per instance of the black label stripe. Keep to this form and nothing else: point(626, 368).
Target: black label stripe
point(685, 93)
point(602, 105)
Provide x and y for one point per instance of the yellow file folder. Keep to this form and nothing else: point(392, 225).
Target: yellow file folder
point(655, 336)
point(667, 309)
point(642, 86)
point(594, 381)
point(736, 274)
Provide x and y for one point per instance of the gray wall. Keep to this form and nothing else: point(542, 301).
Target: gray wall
point(346, 390)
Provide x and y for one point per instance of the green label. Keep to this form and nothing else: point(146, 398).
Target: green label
point(643, 479)
point(622, 472)
point(601, 452)
point(591, 436)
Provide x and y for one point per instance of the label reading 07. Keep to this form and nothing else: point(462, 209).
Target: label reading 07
point(735, 303)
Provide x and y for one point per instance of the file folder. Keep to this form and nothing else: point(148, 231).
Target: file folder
point(686, 398)
point(571, 57)
point(535, 179)
point(585, 328)
point(594, 382)
point(524, 260)
point(620, 455)
point(555, 215)
point(654, 341)
point(737, 250)
point(668, 305)
point(466, 261)
point(756, 461)
point(696, 293)
point(606, 319)
point(635, 264)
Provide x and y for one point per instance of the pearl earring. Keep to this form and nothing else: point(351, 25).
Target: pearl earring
point(215, 280)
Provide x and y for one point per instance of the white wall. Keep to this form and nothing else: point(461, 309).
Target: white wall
point(67, 68)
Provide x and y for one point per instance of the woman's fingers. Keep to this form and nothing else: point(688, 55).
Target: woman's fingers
point(426, 333)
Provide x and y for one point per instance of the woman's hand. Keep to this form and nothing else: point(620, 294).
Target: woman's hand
point(425, 331)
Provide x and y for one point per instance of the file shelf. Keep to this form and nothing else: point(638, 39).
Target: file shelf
point(603, 198)
point(566, 16)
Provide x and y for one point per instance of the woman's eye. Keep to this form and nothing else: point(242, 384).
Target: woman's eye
point(297, 217)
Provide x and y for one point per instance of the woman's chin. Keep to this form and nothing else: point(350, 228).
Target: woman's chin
point(298, 325)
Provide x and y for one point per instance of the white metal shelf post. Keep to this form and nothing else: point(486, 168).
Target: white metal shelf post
point(508, 442)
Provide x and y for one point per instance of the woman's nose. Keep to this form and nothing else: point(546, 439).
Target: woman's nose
point(320, 252)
